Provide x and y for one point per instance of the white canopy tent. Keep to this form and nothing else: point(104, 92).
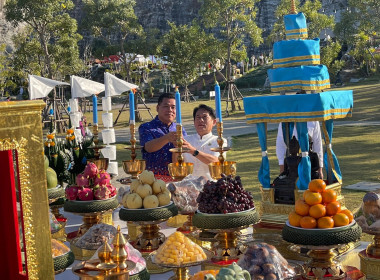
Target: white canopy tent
point(115, 86)
point(40, 87)
point(81, 87)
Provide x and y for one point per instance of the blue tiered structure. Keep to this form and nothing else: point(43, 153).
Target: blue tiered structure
point(296, 68)
point(296, 61)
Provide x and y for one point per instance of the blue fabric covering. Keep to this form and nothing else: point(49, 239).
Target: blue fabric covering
point(299, 107)
point(291, 128)
point(299, 78)
point(336, 174)
point(296, 52)
point(304, 167)
point(295, 26)
point(264, 171)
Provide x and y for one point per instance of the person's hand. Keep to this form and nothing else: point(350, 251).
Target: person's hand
point(321, 172)
point(188, 146)
point(171, 137)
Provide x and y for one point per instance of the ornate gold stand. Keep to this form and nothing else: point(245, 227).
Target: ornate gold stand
point(227, 247)
point(180, 169)
point(323, 264)
point(134, 166)
point(221, 166)
point(373, 249)
point(370, 258)
point(150, 238)
point(180, 273)
point(369, 265)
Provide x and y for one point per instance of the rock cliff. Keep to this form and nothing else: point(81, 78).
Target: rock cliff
point(156, 13)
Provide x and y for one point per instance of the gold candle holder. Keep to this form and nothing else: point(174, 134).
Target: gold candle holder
point(101, 163)
point(134, 166)
point(180, 169)
point(221, 166)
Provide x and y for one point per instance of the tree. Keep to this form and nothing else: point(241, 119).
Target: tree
point(52, 34)
point(185, 47)
point(316, 22)
point(359, 29)
point(114, 21)
point(231, 21)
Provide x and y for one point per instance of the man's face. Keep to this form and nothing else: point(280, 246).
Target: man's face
point(166, 110)
point(203, 122)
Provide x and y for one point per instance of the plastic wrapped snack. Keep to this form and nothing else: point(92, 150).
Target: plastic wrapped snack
point(368, 216)
point(58, 248)
point(185, 193)
point(263, 261)
point(133, 255)
point(178, 250)
point(95, 236)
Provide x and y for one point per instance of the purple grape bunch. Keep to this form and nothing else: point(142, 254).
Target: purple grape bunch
point(226, 195)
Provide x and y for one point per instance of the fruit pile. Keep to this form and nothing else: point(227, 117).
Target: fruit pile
point(91, 184)
point(263, 261)
point(319, 208)
point(226, 195)
point(146, 192)
point(178, 250)
point(51, 175)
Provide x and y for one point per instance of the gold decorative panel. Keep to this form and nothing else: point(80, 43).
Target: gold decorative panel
point(21, 131)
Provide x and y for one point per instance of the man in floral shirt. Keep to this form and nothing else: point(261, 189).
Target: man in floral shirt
point(159, 135)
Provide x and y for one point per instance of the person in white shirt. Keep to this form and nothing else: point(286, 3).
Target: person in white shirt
point(199, 145)
point(314, 132)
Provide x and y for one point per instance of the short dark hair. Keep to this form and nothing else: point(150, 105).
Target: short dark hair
point(210, 110)
point(169, 95)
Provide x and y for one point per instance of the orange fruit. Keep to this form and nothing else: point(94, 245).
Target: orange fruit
point(340, 220)
point(313, 198)
point(294, 219)
point(308, 222)
point(317, 211)
point(305, 193)
point(348, 213)
point(317, 185)
point(301, 207)
point(333, 208)
point(329, 196)
point(325, 222)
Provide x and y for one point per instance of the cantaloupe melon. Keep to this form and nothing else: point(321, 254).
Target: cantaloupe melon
point(51, 178)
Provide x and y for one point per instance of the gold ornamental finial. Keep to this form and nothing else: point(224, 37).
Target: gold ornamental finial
point(293, 9)
point(119, 255)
